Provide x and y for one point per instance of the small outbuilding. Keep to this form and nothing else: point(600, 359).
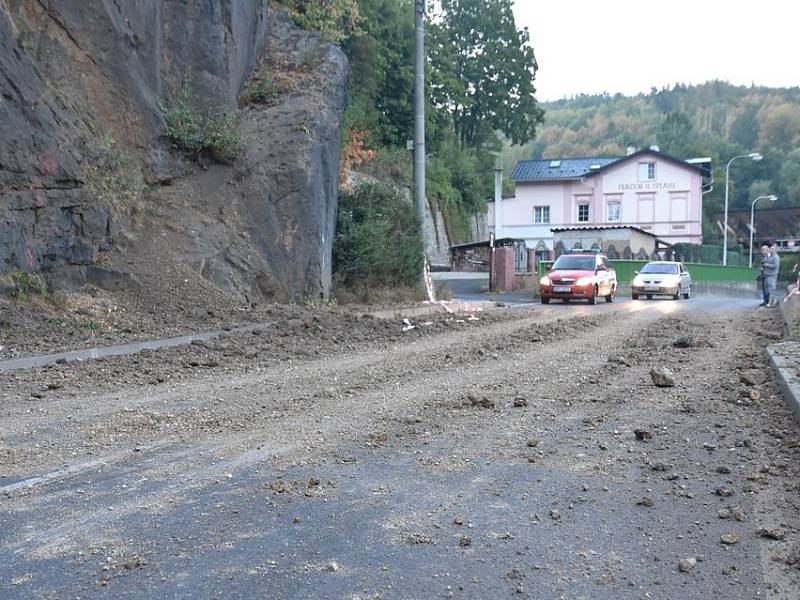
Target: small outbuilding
point(474, 256)
point(616, 242)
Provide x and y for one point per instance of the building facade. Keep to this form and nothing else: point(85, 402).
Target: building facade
point(648, 190)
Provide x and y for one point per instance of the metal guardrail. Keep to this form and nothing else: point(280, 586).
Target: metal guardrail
point(700, 272)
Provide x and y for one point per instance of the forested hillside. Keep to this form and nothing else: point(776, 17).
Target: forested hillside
point(715, 119)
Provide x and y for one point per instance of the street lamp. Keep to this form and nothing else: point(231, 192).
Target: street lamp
point(771, 198)
point(752, 156)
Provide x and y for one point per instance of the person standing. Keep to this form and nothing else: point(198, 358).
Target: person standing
point(771, 265)
point(762, 279)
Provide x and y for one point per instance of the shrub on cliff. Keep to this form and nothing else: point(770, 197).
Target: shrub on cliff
point(336, 19)
point(378, 238)
point(194, 133)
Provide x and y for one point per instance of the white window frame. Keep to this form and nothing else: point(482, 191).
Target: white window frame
point(588, 212)
point(541, 212)
point(618, 204)
point(651, 170)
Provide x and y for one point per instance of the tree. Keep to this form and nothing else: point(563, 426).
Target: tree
point(744, 130)
point(780, 126)
point(790, 178)
point(676, 135)
point(760, 187)
point(483, 71)
point(382, 60)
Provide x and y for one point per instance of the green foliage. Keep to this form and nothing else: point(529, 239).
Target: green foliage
point(378, 238)
point(27, 284)
point(789, 174)
point(382, 78)
point(184, 123)
point(480, 75)
point(787, 269)
point(262, 90)
point(194, 133)
point(221, 137)
point(114, 177)
point(483, 71)
point(676, 136)
point(336, 19)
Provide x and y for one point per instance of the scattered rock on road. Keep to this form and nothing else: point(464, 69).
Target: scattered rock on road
point(730, 538)
point(642, 435)
point(771, 534)
point(687, 564)
point(482, 402)
point(662, 377)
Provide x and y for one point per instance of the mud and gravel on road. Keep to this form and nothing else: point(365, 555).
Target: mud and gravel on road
point(528, 452)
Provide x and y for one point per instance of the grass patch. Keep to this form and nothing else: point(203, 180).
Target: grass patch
point(193, 133)
point(262, 90)
point(27, 285)
point(115, 177)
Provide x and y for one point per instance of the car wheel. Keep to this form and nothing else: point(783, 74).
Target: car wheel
point(593, 298)
point(635, 296)
point(610, 297)
point(688, 294)
point(677, 294)
point(545, 300)
point(649, 296)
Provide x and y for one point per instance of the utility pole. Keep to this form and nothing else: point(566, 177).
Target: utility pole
point(419, 136)
point(419, 108)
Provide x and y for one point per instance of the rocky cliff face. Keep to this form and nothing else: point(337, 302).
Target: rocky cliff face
point(87, 176)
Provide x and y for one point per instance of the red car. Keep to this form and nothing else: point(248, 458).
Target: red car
point(579, 276)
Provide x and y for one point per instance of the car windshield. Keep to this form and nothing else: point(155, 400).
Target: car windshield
point(660, 269)
point(574, 263)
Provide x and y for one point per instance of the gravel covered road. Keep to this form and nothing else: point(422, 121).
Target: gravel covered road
point(525, 454)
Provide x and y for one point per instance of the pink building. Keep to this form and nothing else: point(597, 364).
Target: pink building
point(652, 191)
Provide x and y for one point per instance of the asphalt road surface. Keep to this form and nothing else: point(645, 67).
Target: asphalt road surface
point(526, 454)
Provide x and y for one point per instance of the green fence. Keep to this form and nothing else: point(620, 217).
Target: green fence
point(701, 273)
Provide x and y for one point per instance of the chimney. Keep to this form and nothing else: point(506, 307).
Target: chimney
point(631, 150)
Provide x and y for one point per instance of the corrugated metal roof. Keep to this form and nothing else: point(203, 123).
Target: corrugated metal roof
point(558, 169)
point(599, 227)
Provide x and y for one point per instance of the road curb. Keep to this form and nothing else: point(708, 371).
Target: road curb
point(36, 362)
point(785, 359)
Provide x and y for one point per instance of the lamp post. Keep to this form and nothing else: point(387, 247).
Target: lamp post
point(771, 198)
point(752, 156)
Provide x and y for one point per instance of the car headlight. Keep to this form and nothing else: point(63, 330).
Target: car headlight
point(544, 280)
point(638, 281)
point(583, 281)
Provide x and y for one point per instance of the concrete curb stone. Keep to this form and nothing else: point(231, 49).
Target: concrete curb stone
point(785, 359)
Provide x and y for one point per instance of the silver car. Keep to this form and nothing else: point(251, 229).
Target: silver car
point(662, 278)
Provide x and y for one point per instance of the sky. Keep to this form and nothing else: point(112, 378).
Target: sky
point(629, 46)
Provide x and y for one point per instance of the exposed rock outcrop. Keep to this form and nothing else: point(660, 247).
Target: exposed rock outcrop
point(86, 174)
